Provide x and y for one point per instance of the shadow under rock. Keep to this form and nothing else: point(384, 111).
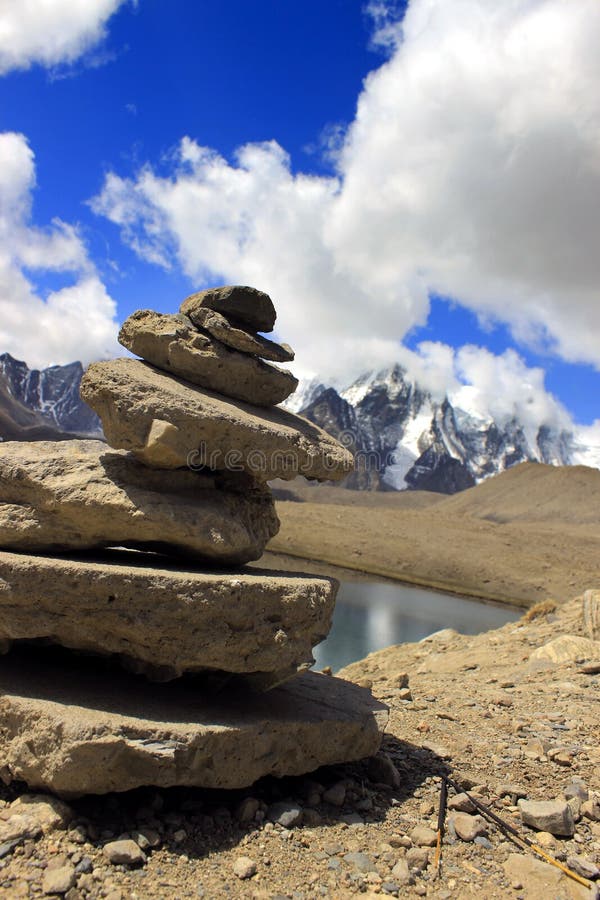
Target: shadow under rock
point(210, 818)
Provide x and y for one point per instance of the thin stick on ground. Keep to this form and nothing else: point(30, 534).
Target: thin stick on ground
point(515, 835)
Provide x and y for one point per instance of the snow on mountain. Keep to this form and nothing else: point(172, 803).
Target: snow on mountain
point(307, 390)
point(52, 395)
point(405, 438)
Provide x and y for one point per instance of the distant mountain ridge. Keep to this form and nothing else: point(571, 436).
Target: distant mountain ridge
point(404, 439)
point(43, 404)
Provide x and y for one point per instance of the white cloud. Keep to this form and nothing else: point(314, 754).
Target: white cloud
point(472, 169)
point(76, 321)
point(50, 31)
point(486, 385)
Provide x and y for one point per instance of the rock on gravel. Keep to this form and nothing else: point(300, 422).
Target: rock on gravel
point(566, 648)
point(540, 879)
point(58, 881)
point(74, 732)
point(469, 827)
point(554, 816)
point(383, 771)
point(244, 867)
point(584, 867)
point(125, 852)
point(285, 814)
point(421, 836)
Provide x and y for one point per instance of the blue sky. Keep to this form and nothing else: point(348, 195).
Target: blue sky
point(388, 166)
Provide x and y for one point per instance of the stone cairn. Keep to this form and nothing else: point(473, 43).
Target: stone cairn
point(218, 692)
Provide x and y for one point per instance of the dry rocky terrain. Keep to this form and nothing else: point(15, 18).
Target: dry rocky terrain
point(503, 724)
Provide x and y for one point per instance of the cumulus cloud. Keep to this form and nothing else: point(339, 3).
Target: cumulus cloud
point(76, 321)
point(487, 385)
point(471, 170)
point(60, 31)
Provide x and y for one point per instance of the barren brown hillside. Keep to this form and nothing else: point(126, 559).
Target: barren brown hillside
point(526, 535)
point(535, 493)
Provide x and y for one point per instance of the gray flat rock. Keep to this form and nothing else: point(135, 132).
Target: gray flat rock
point(165, 620)
point(76, 729)
point(67, 495)
point(172, 424)
point(240, 339)
point(243, 305)
point(176, 346)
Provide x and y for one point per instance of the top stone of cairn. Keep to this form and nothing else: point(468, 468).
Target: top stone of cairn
point(244, 305)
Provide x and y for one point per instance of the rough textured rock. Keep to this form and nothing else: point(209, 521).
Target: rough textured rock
point(566, 648)
point(539, 879)
point(56, 496)
point(168, 620)
point(468, 827)
point(244, 305)
point(31, 815)
point(173, 344)
point(240, 339)
point(74, 729)
point(591, 614)
point(125, 852)
point(554, 816)
point(168, 424)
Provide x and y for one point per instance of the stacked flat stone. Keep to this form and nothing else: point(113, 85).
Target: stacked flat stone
point(195, 435)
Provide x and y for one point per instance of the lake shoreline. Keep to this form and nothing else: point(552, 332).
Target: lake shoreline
point(349, 572)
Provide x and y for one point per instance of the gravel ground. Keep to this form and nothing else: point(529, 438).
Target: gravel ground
point(473, 707)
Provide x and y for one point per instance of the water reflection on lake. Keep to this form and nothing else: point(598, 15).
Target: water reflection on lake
point(372, 615)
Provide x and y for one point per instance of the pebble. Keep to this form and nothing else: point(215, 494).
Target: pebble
point(285, 814)
point(352, 819)
point(576, 788)
point(584, 867)
point(468, 827)
point(146, 838)
point(124, 852)
point(461, 803)
point(591, 808)
point(421, 836)
point(401, 872)
point(361, 862)
point(244, 867)
point(417, 858)
point(336, 794)
point(58, 881)
point(247, 810)
point(382, 770)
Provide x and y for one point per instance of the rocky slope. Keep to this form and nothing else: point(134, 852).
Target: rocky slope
point(43, 404)
point(403, 438)
point(510, 715)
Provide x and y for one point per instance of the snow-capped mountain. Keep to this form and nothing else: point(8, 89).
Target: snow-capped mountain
point(404, 438)
point(43, 404)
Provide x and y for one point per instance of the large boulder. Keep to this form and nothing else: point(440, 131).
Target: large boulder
point(164, 620)
point(57, 496)
point(246, 306)
point(170, 424)
point(75, 729)
point(173, 344)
